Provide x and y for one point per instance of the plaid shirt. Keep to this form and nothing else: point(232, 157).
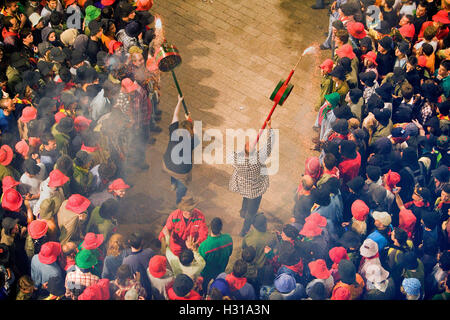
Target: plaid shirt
point(426, 112)
point(77, 281)
point(247, 179)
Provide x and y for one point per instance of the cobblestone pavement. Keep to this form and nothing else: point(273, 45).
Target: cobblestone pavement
point(234, 53)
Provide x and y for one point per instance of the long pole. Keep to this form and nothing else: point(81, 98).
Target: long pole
point(179, 92)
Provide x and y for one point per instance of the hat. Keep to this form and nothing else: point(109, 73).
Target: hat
point(28, 114)
point(8, 182)
point(133, 29)
point(81, 123)
point(318, 268)
point(368, 78)
point(77, 203)
point(92, 241)
point(144, 5)
point(333, 98)
point(222, 285)
point(37, 229)
point(157, 266)
point(119, 184)
point(399, 133)
point(369, 248)
point(403, 47)
point(371, 56)
point(317, 219)
point(313, 167)
point(383, 27)
point(260, 222)
point(442, 142)
point(77, 57)
point(383, 217)
point(382, 116)
point(327, 65)
point(392, 178)
point(340, 126)
point(56, 54)
point(410, 261)
point(57, 179)
point(68, 36)
point(407, 31)
point(442, 17)
point(129, 85)
point(35, 18)
point(107, 2)
point(341, 293)
point(182, 285)
point(407, 221)
point(310, 229)
point(12, 200)
point(92, 13)
point(65, 125)
point(411, 130)
point(6, 155)
point(92, 292)
point(338, 72)
point(376, 273)
point(337, 254)
point(284, 283)
point(411, 286)
point(49, 252)
point(356, 184)
point(85, 259)
point(113, 45)
point(22, 148)
point(441, 173)
point(359, 210)
point(94, 27)
point(430, 219)
point(69, 2)
point(345, 51)
point(386, 43)
point(347, 271)
point(356, 30)
point(56, 286)
point(187, 203)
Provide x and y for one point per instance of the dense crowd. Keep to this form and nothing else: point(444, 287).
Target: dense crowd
point(80, 94)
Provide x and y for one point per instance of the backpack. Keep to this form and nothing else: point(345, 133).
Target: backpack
point(421, 175)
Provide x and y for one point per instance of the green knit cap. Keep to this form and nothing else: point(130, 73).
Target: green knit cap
point(92, 13)
point(333, 98)
point(85, 259)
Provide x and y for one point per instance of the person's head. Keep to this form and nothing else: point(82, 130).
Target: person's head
point(69, 249)
point(135, 240)
point(56, 18)
point(27, 36)
point(405, 19)
point(12, 6)
point(137, 59)
point(109, 209)
point(239, 268)
point(11, 23)
point(123, 273)
point(329, 161)
point(116, 244)
point(444, 68)
point(52, 4)
point(7, 104)
point(187, 125)
point(216, 226)
point(341, 37)
point(107, 171)
point(407, 91)
point(248, 254)
point(186, 257)
point(399, 237)
point(445, 192)
point(427, 49)
point(65, 165)
point(421, 9)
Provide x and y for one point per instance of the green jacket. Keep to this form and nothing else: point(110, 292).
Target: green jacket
point(216, 252)
point(62, 140)
point(97, 224)
point(8, 171)
point(326, 87)
point(82, 180)
point(259, 240)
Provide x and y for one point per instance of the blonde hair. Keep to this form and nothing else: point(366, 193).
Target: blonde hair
point(116, 244)
point(360, 227)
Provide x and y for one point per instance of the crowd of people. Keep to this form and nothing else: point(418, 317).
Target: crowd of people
point(80, 92)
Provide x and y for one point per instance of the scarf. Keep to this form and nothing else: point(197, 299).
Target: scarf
point(89, 149)
point(234, 282)
point(297, 268)
point(324, 109)
point(364, 259)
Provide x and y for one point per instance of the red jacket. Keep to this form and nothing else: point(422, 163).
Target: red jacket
point(179, 231)
point(193, 295)
point(349, 168)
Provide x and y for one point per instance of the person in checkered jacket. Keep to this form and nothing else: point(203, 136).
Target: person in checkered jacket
point(247, 179)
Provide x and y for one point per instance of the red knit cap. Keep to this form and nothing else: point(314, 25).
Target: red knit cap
point(360, 210)
point(157, 266)
point(337, 254)
point(28, 114)
point(407, 31)
point(341, 293)
point(317, 219)
point(392, 178)
point(407, 221)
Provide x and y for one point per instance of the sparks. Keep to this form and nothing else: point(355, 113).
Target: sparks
point(158, 24)
point(309, 50)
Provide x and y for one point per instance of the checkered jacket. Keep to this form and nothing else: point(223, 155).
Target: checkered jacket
point(247, 179)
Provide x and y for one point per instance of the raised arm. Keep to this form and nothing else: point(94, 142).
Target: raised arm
point(176, 112)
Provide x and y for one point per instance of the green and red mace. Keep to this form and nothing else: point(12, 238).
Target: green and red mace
point(168, 58)
point(282, 92)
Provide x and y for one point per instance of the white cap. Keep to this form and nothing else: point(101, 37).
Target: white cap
point(34, 18)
